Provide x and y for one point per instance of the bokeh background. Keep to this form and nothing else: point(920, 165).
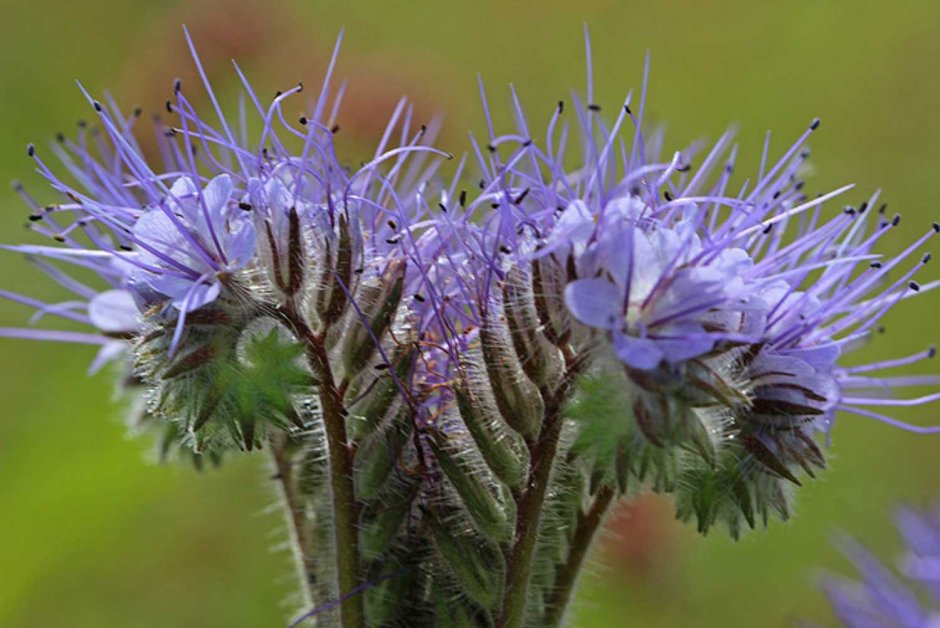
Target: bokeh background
point(93, 533)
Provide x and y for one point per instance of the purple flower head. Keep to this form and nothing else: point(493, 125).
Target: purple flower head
point(672, 266)
point(177, 235)
point(892, 597)
point(236, 240)
point(731, 311)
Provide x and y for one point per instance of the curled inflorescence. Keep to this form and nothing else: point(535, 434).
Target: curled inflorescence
point(454, 387)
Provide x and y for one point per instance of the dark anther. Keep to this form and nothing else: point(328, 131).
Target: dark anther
point(936, 227)
point(683, 167)
point(82, 124)
point(777, 194)
point(896, 220)
point(627, 109)
point(35, 217)
point(381, 367)
point(359, 271)
point(392, 241)
point(482, 184)
point(30, 149)
point(804, 154)
point(768, 228)
point(527, 144)
point(393, 225)
point(814, 125)
point(491, 148)
point(300, 85)
point(863, 207)
point(245, 206)
point(932, 352)
point(125, 248)
point(277, 94)
point(494, 205)
point(98, 106)
point(914, 286)
point(177, 86)
point(561, 106)
point(463, 198)
point(137, 111)
point(849, 210)
point(303, 120)
point(667, 195)
point(59, 238)
point(875, 265)
point(443, 207)
point(424, 129)
point(521, 197)
point(60, 138)
point(594, 107)
point(926, 258)
point(169, 107)
point(335, 129)
point(799, 185)
point(505, 249)
point(419, 298)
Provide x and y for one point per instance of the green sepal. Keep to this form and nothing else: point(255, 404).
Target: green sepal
point(519, 401)
point(377, 456)
point(504, 452)
point(476, 563)
point(481, 504)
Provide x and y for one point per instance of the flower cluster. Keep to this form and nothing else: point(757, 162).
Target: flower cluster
point(454, 387)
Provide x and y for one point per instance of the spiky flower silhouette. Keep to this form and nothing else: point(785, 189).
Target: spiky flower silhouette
point(454, 387)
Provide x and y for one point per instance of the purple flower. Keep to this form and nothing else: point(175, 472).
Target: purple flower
point(187, 247)
point(891, 598)
point(645, 286)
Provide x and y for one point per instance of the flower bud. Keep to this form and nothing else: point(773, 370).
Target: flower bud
point(540, 360)
point(517, 397)
point(481, 504)
point(477, 564)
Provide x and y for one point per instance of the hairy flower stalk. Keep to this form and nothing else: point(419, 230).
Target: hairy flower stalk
point(454, 387)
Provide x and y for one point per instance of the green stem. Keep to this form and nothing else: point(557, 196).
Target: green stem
point(566, 573)
point(529, 518)
point(340, 451)
point(297, 524)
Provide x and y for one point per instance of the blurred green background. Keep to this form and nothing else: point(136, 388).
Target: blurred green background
point(92, 533)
